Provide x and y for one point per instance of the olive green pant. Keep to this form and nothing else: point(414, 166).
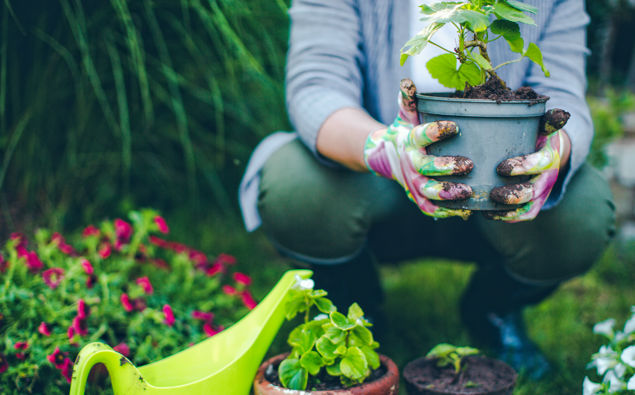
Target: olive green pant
point(327, 215)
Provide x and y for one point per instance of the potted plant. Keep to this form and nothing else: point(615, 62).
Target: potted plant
point(495, 122)
point(448, 369)
point(330, 353)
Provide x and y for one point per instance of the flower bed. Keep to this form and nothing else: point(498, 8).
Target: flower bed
point(122, 283)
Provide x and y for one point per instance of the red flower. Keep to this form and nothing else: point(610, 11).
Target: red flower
point(70, 333)
point(163, 227)
point(90, 281)
point(22, 346)
point(125, 301)
point(83, 311)
point(248, 300)
point(225, 259)
point(79, 326)
point(20, 238)
point(57, 358)
point(215, 269)
point(169, 315)
point(242, 278)
point(144, 282)
point(4, 365)
point(229, 290)
point(123, 230)
point(88, 268)
point(157, 241)
point(210, 330)
point(53, 276)
point(58, 239)
point(4, 264)
point(33, 262)
point(122, 348)
point(44, 329)
point(90, 230)
point(203, 316)
point(67, 370)
point(104, 251)
point(199, 258)
point(22, 252)
point(160, 263)
point(139, 304)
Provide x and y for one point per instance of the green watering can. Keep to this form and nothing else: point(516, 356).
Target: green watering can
point(223, 364)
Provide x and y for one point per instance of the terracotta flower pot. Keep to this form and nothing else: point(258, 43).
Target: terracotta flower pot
point(388, 384)
point(483, 376)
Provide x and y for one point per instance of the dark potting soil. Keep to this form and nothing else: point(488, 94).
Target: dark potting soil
point(323, 382)
point(494, 89)
point(479, 375)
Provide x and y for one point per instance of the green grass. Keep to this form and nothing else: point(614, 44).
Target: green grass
point(422, 302)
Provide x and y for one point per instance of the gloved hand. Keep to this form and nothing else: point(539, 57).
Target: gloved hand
point(543, 165)
point(399, 153)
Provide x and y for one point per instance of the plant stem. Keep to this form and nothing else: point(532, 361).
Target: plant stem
point(438, 46)
point(506, 63)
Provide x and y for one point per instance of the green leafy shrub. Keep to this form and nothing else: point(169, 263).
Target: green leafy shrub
point(477, 22)
point(330, 344)
point(608, 121)
point(118, 283)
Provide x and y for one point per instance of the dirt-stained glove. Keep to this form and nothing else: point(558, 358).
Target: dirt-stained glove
point(399, 153)
point(543, 164)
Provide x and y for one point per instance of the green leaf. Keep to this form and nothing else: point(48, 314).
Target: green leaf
point(505, 11)
point(294, 305)
point(303, 337)
point(312, 362)
point(341, 349)
point(480, 61)
point(318, 293)
point(339, 320)
point(473, 20)
point(441, 350)
point(522, 6)
point(334, 334)
point(510, 32)
point(354, 365)
point(326, 348)
point(324, 305)
point(533, 53)
point(465, 351)
point(443, 69)
point(371, 356)
point(334, 370)
point(355, 312)
point(416, 44)
point(360, 336)
point(292, 374)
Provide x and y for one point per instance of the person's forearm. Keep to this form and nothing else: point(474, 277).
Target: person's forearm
point(343, 135)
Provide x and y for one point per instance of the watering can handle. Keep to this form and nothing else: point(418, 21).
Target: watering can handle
point(124, 376)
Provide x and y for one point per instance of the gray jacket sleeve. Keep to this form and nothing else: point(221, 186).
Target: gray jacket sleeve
point(323, 63)
point(563, 43)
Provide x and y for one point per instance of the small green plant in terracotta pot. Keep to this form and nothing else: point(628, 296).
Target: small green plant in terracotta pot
point(448, 369)
point(329, 352)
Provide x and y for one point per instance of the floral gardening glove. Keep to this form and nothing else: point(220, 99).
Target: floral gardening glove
point(399, 153)
point(543, 165)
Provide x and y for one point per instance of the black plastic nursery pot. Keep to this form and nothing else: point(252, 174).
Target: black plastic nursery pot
point(489, 132)
point(481, 376)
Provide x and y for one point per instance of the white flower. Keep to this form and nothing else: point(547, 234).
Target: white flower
point(320, 317)
point(589, 387)
point(303, 283)
point(615, 383)
point(628, 356)
point(620, 369)
point(604, 359)
point(631, 383)
point(604, 328)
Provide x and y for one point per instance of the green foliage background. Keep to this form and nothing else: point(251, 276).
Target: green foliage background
point(111, 103)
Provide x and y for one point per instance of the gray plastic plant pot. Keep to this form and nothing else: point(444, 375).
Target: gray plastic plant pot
point(489, 132)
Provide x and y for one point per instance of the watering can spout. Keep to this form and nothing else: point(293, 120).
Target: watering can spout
point(223, 364)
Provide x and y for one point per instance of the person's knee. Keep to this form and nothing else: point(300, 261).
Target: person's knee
point(306, 207)
point(567, 240)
